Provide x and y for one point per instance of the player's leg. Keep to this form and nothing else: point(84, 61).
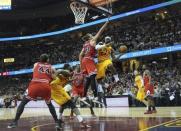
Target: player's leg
point(112, 69)
point(86, 87)
point(103, 97)
point(145, 102)
point(31, 93)
point(60, 97)
point(75, 98)
point(47, 97)
point(91, 71)
point(76, 111)
point(61, 110)
point(148, 98)
point(101, 91)
point(58, 124)
point(153, 105)
point(93, 84)
point(91, 106)
point(19, 112)
point(99, 98)
point(52, 110)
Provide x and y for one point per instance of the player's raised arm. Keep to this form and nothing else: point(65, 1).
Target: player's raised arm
point(100, 32)
point(81, 56)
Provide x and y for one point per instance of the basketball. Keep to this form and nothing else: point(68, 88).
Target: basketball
point(123, 49)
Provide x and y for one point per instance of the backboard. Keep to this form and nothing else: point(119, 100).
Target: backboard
point(101, 6)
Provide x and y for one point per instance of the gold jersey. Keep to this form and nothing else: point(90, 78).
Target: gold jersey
point(58, 93)
point(139, 81)
point(104, 54)
point(141, 90)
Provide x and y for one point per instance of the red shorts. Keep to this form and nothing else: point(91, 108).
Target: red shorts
point(39, 89)
point(88, 66)
point(78, 91)
point(149, 87)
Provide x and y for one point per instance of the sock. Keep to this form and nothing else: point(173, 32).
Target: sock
point(116, 77)
point(79, 117)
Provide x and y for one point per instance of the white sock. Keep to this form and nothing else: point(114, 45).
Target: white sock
point(116, 77)
point(79, 117)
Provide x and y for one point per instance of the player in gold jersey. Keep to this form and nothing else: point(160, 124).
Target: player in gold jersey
point(141, 89)
point(105, 56)
point(62, 98)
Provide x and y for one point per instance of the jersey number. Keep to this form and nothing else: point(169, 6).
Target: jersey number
point(44, 70)
point(87, 49)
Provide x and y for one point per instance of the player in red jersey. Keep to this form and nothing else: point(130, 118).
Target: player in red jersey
point(39, 86)
point(78, 88)
point(149, 89)
point(86, 58)
point(78, 83)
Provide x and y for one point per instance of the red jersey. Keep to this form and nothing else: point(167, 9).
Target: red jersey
point(148, 85)
point(78, 79)
point(146, 80)
point(42, 72)
point(89, 50)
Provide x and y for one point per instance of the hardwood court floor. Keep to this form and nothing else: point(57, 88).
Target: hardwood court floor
point(108, 119)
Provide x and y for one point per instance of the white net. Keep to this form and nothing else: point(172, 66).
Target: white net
point(79, 11)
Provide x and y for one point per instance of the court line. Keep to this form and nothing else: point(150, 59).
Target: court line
point(160, 124)
point(34, 127)
point(37, 126)
point(170, 124)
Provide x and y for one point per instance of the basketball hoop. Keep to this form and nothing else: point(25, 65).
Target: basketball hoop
point(79, 11)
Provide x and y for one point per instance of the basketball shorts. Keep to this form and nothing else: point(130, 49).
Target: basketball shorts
point(78, 91)
point(141, 94)
point(102, 67)
point(39, 89)
point(88, 66)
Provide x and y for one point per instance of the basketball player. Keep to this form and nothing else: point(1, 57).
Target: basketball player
point(141, 89)
point(149, 89)
point(105, 56)
point(77, 93)
point(78, 89)
point(43, 73)
point(62, 98)
point(86, 58)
